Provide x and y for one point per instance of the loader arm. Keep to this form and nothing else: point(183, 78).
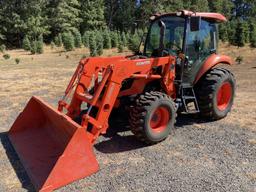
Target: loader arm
point(105, 76)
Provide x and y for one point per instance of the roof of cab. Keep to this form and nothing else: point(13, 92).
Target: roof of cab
point(217, 17)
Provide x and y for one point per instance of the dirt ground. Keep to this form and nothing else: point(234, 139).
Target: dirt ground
point(198, 155)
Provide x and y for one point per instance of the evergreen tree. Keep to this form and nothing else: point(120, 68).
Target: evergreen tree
point(231, 28)
point(134, 42)
point(222, 6)
point(241, 34)
point(223, 32)
point(19, 19)
point(68, 41)
point(253, 35)
point(246, 31)
point(2, 48)
point(120, 47)
point(64, 16)
point(33, 47)
point(99, 43)
point(40, 46)
point(93, 45)
point(58, 40)
point(77, 39)
point(120, 14)
point(26, 44)
point(34, 18)
point(114, 39)
point(106, 39)
point(123, 38)
point(198, 5)
point(86, 39)
point(92, 15)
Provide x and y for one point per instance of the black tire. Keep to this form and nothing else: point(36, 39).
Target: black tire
point(143, 115)
point(207, 92)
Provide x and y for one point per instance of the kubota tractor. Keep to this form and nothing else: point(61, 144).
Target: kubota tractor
point(177, 72)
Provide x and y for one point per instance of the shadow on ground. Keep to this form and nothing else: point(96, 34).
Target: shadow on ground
point(16, 164)
point(118, 141)
point(189, 119)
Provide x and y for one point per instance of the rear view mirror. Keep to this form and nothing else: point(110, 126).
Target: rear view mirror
point(195, 23)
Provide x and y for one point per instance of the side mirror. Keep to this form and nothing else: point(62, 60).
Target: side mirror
point(195, 23)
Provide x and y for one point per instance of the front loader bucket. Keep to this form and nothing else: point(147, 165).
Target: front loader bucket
point(53, 149)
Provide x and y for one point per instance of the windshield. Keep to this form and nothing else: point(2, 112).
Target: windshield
point(173, 39)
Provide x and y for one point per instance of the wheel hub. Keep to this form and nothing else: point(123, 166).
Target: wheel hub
point(160, 119)
point(224, 96)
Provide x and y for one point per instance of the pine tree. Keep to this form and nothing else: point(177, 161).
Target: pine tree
point(223, 32)
point(123, 38)
point(19, 19)
point(232, 26)
point(2, 48)
point(93, 45)
point(246, 31)
point(99, 43)
point(222, 6)
point(33, 47)
point(86, 39)
point(64, 16)
point(58, 40)
point(26, 44)
point(92, 15)
point(253, 35)
point(106, 40)
point(68, 41)
point(77, 39)
point(241, 34)
point(134, 42)
point(120, 47)
point(121, 14)
point(114, 39)
point(40, 45)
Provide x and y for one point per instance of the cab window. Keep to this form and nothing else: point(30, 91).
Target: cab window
point(201, 43)
point(173, 39)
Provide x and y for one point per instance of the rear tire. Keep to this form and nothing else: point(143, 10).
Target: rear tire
point(152, 117)
point(215, 93)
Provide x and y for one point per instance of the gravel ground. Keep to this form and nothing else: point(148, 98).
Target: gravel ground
point(198, 155)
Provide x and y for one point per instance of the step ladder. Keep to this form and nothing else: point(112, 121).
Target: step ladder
point(188, 96)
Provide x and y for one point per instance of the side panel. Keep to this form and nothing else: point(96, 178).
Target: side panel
point(212, 61)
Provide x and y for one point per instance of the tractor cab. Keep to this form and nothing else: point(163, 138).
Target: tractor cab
point(189, 34)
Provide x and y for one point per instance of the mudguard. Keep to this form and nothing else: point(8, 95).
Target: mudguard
point(212, 61)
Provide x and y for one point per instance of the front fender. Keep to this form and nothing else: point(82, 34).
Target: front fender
point(212, 61)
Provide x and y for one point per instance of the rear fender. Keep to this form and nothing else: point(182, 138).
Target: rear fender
point(211, 62)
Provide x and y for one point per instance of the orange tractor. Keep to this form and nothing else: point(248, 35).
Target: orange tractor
point(177, 72)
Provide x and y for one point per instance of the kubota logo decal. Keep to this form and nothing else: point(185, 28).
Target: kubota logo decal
point(143, 63)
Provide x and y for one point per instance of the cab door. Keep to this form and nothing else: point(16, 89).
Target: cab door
point(199, 46)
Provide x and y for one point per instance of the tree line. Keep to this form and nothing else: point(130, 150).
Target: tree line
point(103, 24)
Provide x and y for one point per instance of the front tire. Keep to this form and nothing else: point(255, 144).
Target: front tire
point(215, 93)
point(152, 117)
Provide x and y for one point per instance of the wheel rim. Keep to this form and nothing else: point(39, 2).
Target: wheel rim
point(160, 119)
point(224, 96)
